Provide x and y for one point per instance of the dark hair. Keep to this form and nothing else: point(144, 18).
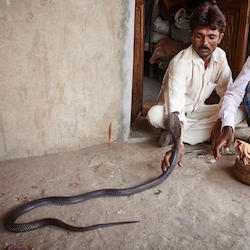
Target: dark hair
point(208, 15)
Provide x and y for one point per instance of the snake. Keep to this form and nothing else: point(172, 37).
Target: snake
point(171, 123)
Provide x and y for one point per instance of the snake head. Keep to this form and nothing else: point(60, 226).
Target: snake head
point(173, 125)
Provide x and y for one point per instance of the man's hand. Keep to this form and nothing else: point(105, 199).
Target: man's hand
point(225, 140)
point(165, 163)
point(215, 134)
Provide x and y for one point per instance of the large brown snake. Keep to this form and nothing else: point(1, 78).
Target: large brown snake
point(171, 123)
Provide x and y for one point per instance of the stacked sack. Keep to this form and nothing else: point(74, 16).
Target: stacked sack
point(161, 29)
point(180, 29)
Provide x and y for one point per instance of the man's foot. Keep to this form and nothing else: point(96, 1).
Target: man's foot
point(164, 139)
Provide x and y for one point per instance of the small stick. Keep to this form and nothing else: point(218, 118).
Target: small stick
point(110, 132)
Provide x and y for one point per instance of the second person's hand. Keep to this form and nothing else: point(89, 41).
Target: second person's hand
point(224, 141)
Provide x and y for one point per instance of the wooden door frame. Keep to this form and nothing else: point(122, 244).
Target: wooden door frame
point(138, 62)
point(240, 50)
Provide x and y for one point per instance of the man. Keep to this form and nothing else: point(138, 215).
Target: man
point(233, 97)
point(193, 74)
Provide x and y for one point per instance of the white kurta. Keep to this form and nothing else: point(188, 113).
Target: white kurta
point(234, 96)
point(186, 86)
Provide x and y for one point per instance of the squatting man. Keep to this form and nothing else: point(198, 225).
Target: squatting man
point(192, 76)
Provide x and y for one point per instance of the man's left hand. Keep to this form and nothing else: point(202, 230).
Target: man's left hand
point(225, 140)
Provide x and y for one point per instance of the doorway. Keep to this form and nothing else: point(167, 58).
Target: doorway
point(150, 17)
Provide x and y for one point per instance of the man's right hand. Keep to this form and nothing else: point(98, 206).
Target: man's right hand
point(166, 163)
point(225, 140)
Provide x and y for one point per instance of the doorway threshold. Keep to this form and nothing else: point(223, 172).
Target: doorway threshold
point(142, 131)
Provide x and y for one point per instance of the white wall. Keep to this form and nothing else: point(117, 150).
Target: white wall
point(65, 74)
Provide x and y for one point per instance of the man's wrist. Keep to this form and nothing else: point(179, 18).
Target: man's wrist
point(228, 129)
point(227, 132)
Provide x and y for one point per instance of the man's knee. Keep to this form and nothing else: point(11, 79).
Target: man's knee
point(155, 116)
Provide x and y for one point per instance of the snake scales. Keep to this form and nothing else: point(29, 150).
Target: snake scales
point(172, 124)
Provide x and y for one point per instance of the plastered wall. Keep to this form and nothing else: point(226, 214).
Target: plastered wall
point(65, 74)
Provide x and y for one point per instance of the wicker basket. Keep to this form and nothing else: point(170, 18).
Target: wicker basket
point(242, 172)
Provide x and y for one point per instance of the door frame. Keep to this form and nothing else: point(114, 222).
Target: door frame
point(138, 61)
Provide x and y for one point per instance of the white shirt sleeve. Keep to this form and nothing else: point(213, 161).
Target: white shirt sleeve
point(234, 96)
point(176, 89)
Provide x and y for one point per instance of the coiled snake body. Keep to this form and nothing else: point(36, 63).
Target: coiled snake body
point(173, 126)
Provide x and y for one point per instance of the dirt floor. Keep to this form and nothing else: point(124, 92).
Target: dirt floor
point(200, 206)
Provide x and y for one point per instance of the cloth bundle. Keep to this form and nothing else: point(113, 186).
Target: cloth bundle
point(243, 149)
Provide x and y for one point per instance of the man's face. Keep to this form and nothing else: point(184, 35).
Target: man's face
point(205, 41)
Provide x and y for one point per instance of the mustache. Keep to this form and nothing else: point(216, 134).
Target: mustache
point(204, 47)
